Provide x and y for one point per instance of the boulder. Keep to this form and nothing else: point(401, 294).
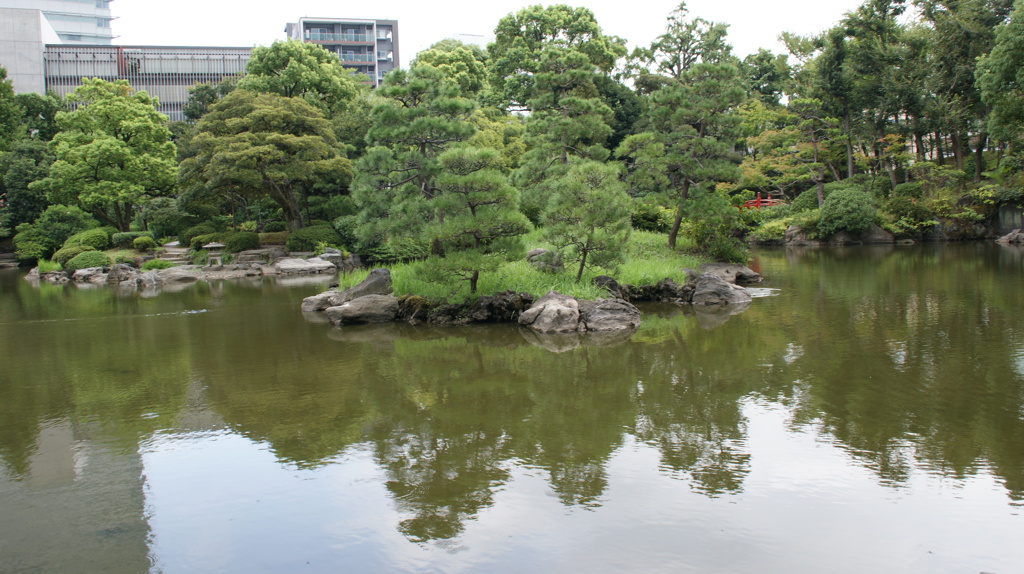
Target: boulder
point(88, 275)
point(176, 275)
point(366, 309)
point(731, 272)
point(664, 291)
point(612, 286)
point(607, 315)
point(378, 282)
point(711, 289)
point(552, 313)
point(797, 237)
point(268, 255)
point(1014, 236)
point(313, 265)
point(342, 262)
point(545, 260)
point(122, 272)
point(506, 306)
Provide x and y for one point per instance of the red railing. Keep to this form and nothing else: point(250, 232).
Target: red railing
point(759, 203)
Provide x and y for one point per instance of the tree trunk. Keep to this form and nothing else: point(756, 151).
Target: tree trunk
point(958, 149)
point(979, 156)
point(940, 152)
point(919, 143)
point(473, 280)
point(674, 232)
point(849, 144)
point(583, 263)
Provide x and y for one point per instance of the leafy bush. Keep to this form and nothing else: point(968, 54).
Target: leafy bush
point(199, 257)
point(205, 228)
point(910, 189)
point(156, 264)
point(771, 231)
point(199, 241)
point(65, 254)
point(87, 259)
point(901, 207)
point(95, 238)
point(274, 227)
point(651, 217)
point(846, 210)
point(346, 228)
point(247, 226)
point(125, 239)
point(50, 230)
point(240, 241)
point(144, 243)
point(807, 200)
point(305, 239)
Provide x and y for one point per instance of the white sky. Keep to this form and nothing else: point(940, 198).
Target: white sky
point(753, 23)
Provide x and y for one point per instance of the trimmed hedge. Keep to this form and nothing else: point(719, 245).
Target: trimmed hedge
point(144, 243)
point(240, 241)
point(204, 228)
point(156, 264)
point(87, 259)
point(846, 210)
point(66, 254)
point(95, 238)
point(125, 240)
point(305, 239)
point(274, 227)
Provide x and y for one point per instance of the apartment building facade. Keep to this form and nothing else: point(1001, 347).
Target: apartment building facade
point(74, 21)
point(368, 47)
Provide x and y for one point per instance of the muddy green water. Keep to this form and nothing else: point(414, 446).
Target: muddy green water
point(866, 417)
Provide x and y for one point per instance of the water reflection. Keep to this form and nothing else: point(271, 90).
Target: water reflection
point(906, 359)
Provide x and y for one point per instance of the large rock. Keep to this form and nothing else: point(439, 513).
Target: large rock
point(122, 272)
point(176, 275)
point(711, 289)
point(366, 309)
point(797, 237)
point(89, 275)
point(545, 260)
point(292, 265)
point(731, 272)
point(342, 262)
point(552, 313)
point(1014, 236)
point(378, 282)
point(607, 315)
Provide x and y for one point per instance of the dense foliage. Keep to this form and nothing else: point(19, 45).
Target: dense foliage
point(902, 115)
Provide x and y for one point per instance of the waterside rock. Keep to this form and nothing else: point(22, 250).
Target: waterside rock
point(1015, 236)
point(365, 309)
point(552, 313)
point(312, 265)
point(607, 315)
point(731, 273)
point(710, 289)
point(378, 282)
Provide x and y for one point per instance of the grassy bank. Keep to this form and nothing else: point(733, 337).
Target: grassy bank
point(647, 260)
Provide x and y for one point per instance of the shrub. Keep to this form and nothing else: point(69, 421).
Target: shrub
point(240, 241)
point(807, 200)
point(901, 207)
point(126, 256)
point(87, 259)
point(770, 231)
point(65, 254)
point(345, 226)
point(846, 210)
point(911, 189)
point(125, 239)
point(247, 226)
point(305, 239)
point(274, 227)
point(156, 264)
point(275, 238)
point(50, 230)
point(144, 243)
point(651, 217)
point(199, 241)
point(205, 228)
point(199, 257)
point(95, 238)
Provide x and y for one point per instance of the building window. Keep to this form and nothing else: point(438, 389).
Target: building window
point(74, 37)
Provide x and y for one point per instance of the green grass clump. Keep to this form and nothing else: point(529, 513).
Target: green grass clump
point(47, 266)
point(156, 264)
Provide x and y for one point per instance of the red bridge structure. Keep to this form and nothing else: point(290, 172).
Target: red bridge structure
point(759, 203)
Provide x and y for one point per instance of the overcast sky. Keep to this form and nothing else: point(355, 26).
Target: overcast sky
point(753, 24)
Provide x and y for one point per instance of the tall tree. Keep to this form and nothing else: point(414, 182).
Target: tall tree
point(421, 115)
point(114, 152)
point(520, 39)
point(1000, 79)
point(691, 121)
point(296, 69)
point(10, 112)
point(464, 64)
point(264, 145)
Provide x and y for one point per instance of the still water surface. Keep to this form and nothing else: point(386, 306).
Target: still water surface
point(866, 417)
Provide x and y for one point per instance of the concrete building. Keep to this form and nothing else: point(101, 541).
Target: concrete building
point(366, 46)
point(74, 21)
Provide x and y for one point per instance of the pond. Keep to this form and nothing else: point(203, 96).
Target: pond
point(867, 415)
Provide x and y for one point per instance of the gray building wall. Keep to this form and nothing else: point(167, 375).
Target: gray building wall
point(21, 48)
point(75, 21)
